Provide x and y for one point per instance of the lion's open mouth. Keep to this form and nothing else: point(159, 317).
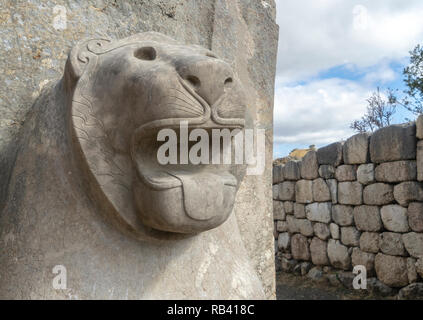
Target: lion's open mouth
point(205, 187)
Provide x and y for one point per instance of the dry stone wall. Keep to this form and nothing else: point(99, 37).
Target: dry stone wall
point(357, 202)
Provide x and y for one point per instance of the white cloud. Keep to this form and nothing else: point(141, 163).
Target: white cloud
point(320, 34)
point(319, 112)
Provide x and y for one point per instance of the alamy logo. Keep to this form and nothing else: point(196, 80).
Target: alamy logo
point(227, 147)
point(60, 281)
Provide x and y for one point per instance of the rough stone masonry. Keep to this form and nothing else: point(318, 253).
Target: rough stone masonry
point(357, 202)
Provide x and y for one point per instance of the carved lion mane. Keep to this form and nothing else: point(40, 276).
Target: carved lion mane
point(120, 94)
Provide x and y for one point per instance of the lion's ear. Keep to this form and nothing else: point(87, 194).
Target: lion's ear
point(80, 57)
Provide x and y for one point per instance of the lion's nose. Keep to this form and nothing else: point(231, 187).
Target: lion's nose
point(209, 77)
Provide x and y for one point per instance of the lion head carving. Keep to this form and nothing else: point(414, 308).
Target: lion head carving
point(120, 94)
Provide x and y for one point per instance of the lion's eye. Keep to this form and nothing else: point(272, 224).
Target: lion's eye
point(145, 53)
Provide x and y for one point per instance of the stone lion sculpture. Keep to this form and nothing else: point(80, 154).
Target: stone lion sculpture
point(88, 194)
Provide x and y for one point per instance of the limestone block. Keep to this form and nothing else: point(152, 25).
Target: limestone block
point(309, 166)
point(284, 241)
point(304, 191)
point(378, 194)
point(278, 210)
point(327, 171)
point(281, 226)
point(369, 242)
point(277, 174)
point(391, 243)
point(319, 212)
point(412, 273)
point(395, 142)
point(288, 207)
point(342, 214)
point(287, 190)
point(367, 218)
point(391, 270)
point(318, 250)
point(334, 231)
point(366, 173)
point(321, 192)
point(415, 216)
point(350, 236)
point(333, 188)
point(350, 193)
point(299, 210)
point(396, 171)
point(346, 172)
point(321, 230)
point(305, 227)
point(330, 154)
point(419, 127)
point(356, 149)
point(300, 247)
point(408, 191)
point(365, 259)
point(291, 170)
point(419, 161)
point(394, 218)
point(413, 242)
point(338, 255)
point(275, 192)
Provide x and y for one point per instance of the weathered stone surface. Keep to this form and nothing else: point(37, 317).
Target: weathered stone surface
point(334, 231)
point(411, 292)
point(284, 241)
point(419, 127)
point(350, 193)
point(287, 190)
point(419, 267)
point(369, 242)
point(396, 171)
point(321, 230)
point(309, 166)
point(277, 174)
point(395, 142)
point(318, 250)
point(281, 226)
point(342, 214)
point(350, 236)
point(367, 218)
point(346, 172)
point(300, 248)
point(330, 154)
point(321, 192)
point(338, 255)
point(391, 243)
point(319, 212)
point(288, 265)
point(304, 191)
point(278, 210)
point(408, 191)
point(413, 242)
point(378, 194)
point(245, 35)
point(275, 192)
point(419, 160)
point(391, 270)
point(305, 226)
point(327, 171)
point(288, 207)
point(291, 170)
point(394, 218)
point(292, 224)
point(412, 274)
point(415, 216)
point(333, 188)
point(356, 149)
point(315, 274)
point(366, 173)
point(365, 259)
point(305, 267)
point(299, 210)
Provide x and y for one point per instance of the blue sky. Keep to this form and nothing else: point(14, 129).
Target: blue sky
point(332, 55)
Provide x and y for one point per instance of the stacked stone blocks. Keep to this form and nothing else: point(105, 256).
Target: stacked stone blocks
point(358, 202)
